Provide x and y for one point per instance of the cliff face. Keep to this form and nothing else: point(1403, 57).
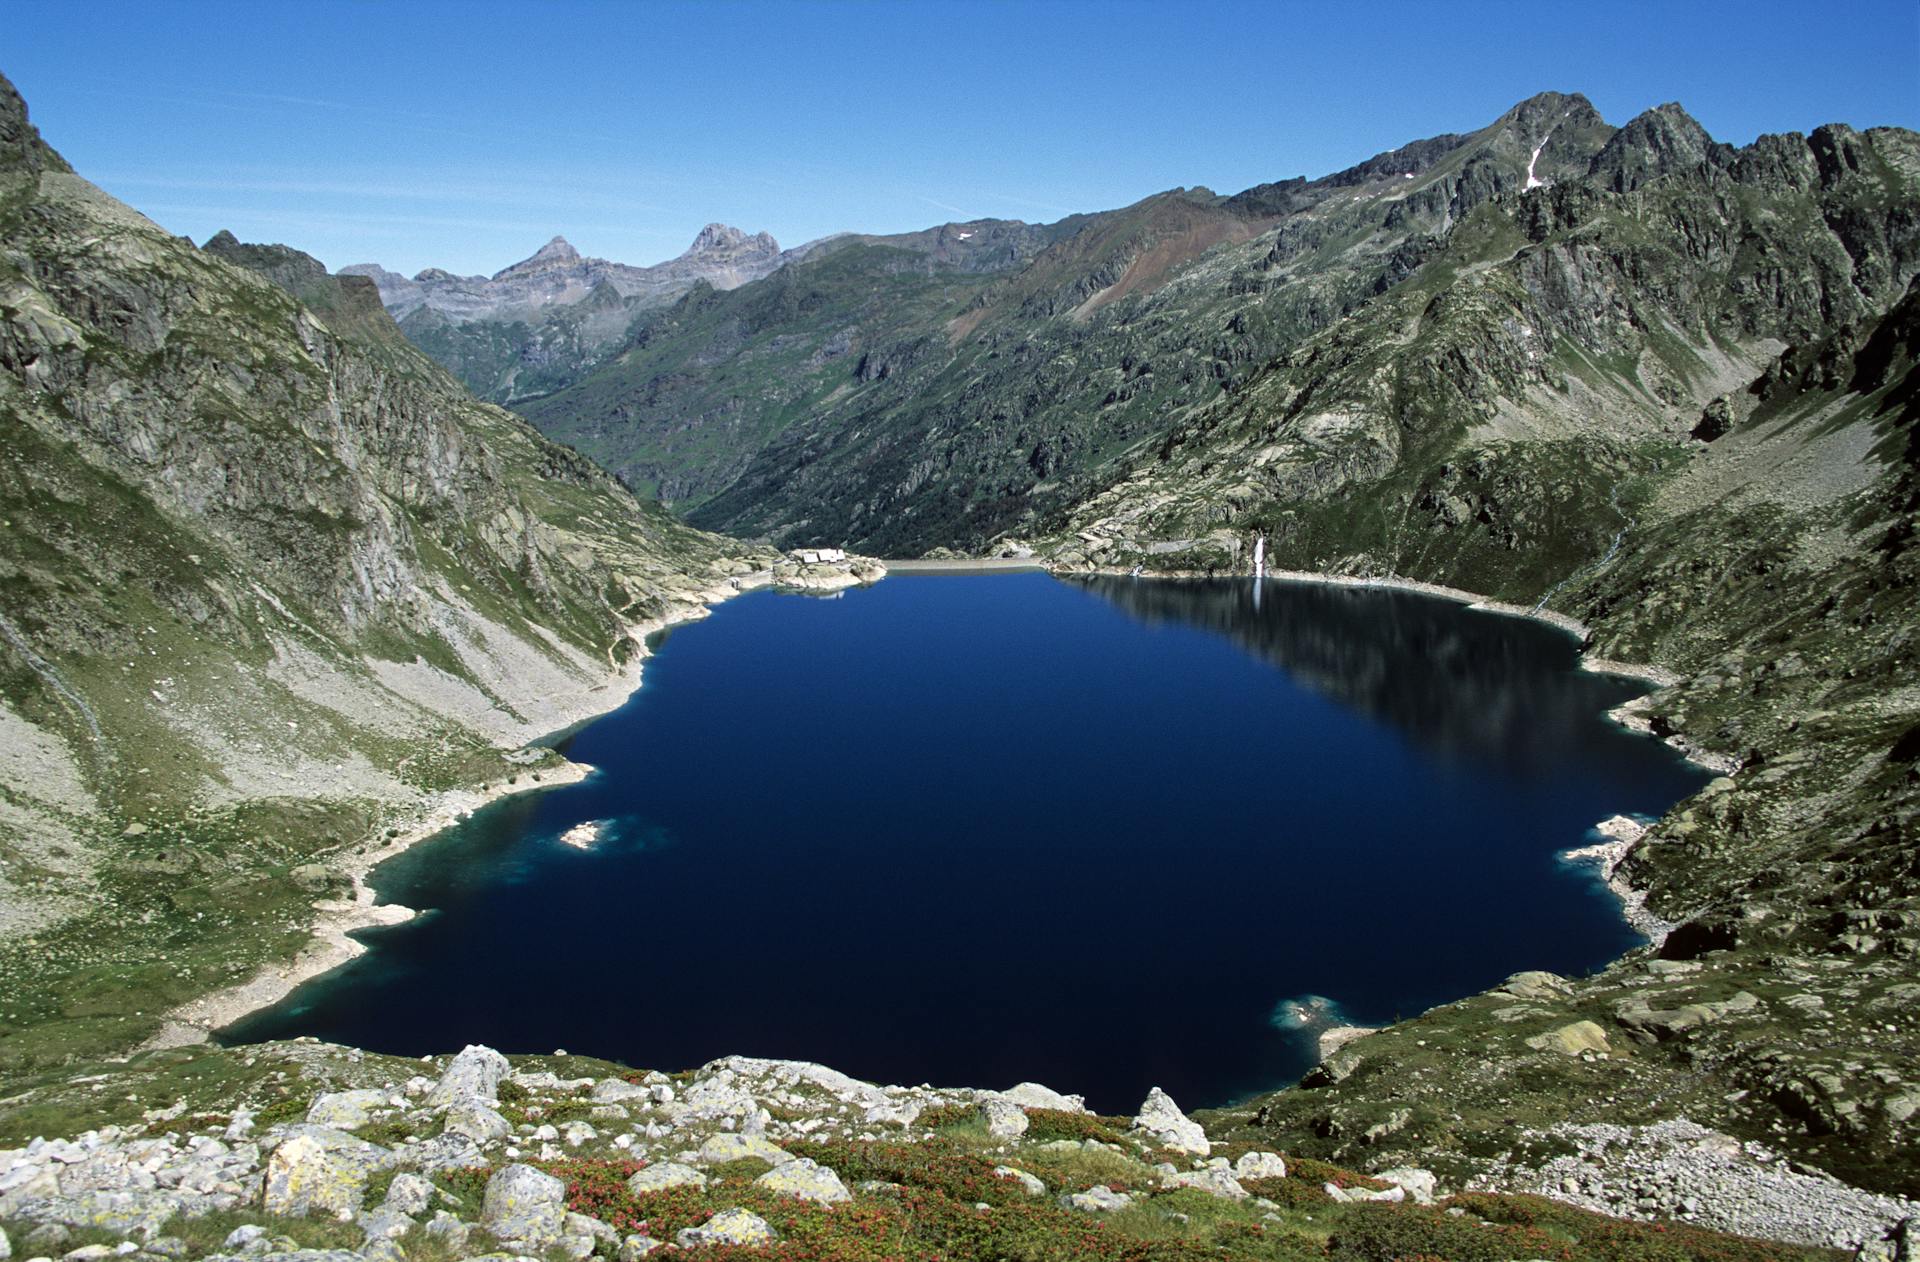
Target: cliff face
point(268, 577)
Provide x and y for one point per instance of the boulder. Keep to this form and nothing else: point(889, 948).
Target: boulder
point(664, 1175)
point(476, 1072)
point(525, 1206)
point(1420, 1184)
point(474, 1118)
point(724, 1148)
point(729, 1226)
point(1571, 1040)
point(1214, 1182)
point(1004, 1119)
point(408, 1194)
point(1031, 1095)
point(1260, 1165)
point(1537, 985)
point(345, 1110)
point(1033, 1186)
point(1160, 1118)
point(1098, 1199)
point(303, 1176)
point(807, 1180)
point(634, 1248)
point(619, 1091)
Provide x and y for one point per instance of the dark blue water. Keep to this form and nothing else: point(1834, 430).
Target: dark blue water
point(971, 830)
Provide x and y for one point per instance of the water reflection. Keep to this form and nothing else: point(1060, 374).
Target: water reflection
point(1464, 684)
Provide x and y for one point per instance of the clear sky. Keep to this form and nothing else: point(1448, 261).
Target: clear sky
point(463, 135)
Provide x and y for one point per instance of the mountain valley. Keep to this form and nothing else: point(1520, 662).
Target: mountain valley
point(284, 586)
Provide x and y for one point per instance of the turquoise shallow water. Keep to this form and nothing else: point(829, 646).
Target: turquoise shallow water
point(976, 829)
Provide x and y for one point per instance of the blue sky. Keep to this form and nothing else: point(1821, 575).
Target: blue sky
point(464, 135)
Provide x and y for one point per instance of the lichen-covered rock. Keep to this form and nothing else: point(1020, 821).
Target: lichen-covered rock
point(1160, 1118)
point(806, 1179)
point(665, 1174)
point(345, 1110)
point(303, 1177)
point(723, 1148)
point(525, 1205)
point(729, 1226)
point(1004, 1119)
point(1571, 1040)
point(635, 1247)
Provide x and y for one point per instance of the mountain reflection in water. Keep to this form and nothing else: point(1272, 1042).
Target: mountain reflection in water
point(1460, 683)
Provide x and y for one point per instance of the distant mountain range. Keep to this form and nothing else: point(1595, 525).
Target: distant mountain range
point(558, 275)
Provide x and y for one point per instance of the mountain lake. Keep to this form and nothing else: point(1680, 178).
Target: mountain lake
point(975, 829)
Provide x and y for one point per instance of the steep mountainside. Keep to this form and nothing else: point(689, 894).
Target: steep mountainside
point(269, 578)
point(546, 321)
point(972, 404)
point(1675, 399)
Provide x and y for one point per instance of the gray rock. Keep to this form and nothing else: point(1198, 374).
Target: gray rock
point(408, 1194)
point(1260, 1165)
point(345, 1110)
point(6, 1245)
point(1162, 1119)
point(1033, 1186)
point(1419, 1184)
point(619, 1091)
point(476, 1073)
point(1004, 1119)
point(1031, 1095)
point(304, 1177)
point(634, 1248)
point(523, 1204)
point(1098, 1199)
point(729, 1226)
point(724, 1148)
point(244, 1235)
point(474, 1118)
point(1214, 1182)
point(663, 1175)
point(807, 1180)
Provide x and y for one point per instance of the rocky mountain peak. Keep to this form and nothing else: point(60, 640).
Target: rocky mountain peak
point(557, 253)
point(558, 250)
point(717, 236)
point(1663, 139)
point(20, 145)
point(728, 241)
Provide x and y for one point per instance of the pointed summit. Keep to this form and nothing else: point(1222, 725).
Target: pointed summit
point(1665, 138)
point(558, 250)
